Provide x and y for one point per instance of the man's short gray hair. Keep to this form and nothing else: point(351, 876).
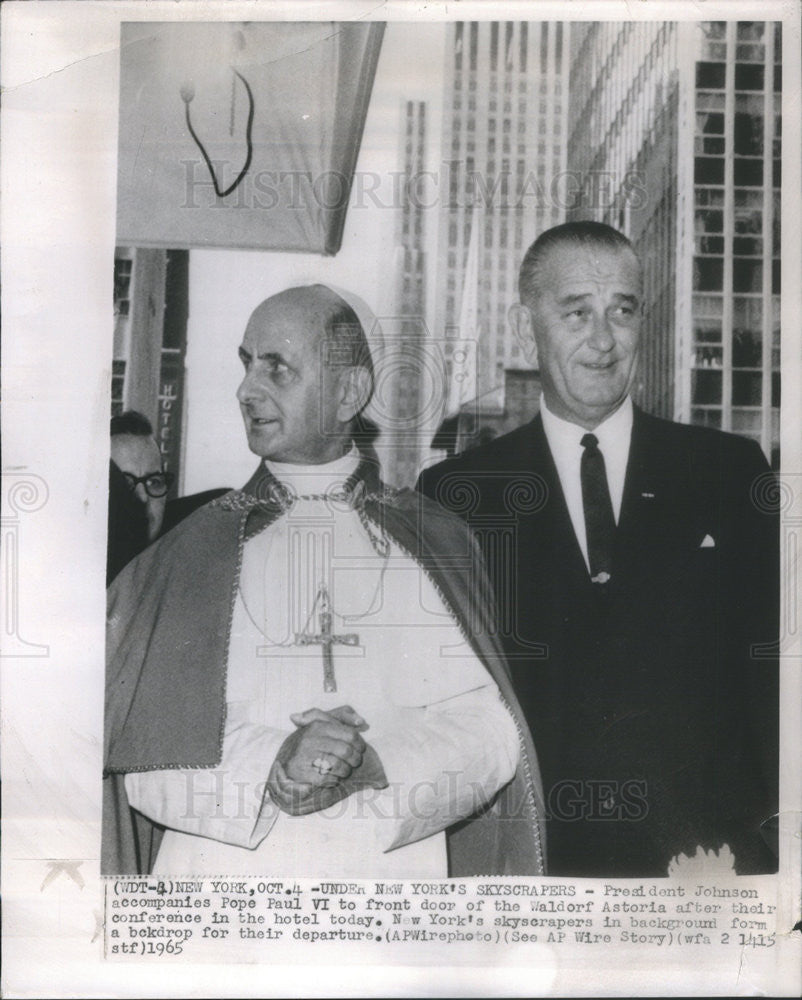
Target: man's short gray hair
point(580, 234)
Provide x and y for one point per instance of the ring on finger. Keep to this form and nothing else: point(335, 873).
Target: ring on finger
point(322, 766)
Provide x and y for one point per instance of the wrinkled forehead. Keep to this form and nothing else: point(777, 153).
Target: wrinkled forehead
point(573, 266)
point(135, 454)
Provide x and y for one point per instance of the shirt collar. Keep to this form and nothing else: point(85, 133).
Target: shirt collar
point(612, 430)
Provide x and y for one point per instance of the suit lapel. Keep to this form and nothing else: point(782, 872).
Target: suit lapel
point(654, 511)
point(641, 488)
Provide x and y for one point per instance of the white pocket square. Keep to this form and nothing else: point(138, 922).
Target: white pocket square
point(708, 542)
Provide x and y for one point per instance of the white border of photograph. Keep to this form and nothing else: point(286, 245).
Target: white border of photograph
point(60, 76)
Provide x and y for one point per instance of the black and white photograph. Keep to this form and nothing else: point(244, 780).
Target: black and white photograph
point(402, 498)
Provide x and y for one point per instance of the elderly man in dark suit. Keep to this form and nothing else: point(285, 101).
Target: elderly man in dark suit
point(635, 568)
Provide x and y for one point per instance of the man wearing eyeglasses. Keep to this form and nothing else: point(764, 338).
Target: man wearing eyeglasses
point(135, 453)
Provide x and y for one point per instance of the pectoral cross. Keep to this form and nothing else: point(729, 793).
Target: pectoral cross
point(326, 638)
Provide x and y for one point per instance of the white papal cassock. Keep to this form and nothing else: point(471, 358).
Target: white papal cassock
point(444, 737)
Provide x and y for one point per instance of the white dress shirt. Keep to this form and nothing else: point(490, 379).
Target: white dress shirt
point(564, 440)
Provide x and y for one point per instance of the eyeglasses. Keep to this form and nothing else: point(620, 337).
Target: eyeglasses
point(156, 483)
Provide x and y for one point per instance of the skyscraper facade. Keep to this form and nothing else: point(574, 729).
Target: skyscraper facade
point(401, 385)
point(675, 134)
point(729, 335)
point(504, 152)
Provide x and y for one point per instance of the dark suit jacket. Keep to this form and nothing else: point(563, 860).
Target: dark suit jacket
point(127, 525)
point(652, 706)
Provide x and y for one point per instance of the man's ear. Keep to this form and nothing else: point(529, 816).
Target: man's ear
point(521, 322)
point(355, 389)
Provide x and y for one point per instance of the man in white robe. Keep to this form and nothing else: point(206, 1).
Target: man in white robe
point(359, 721)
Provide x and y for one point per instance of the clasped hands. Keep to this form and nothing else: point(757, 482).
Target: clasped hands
point(323, 761)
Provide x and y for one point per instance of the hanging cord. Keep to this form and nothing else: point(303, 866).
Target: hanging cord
point(187, 94)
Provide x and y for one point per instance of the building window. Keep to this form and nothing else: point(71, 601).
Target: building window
point(706, 386)
point(746, 349)
point(751, 31)
point(707, 307)
point(118, 378)
point(709, 145)
point(707, 331)
point(747, 246)
point(775, 226)
point(747, 220)
point(709, 170)
point(749, 200)
point(709, 122)
point(710, 244)
point(749, 76)
point(706, 416)
point(747, 422)
point(747, 275)
point(748, 134)
point(708, 356)
point(708, 274)
point(713, 198)
point(710, 75)
point(750, 52)
point(748, 172)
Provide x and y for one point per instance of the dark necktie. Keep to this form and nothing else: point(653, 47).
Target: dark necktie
point(599, 518)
